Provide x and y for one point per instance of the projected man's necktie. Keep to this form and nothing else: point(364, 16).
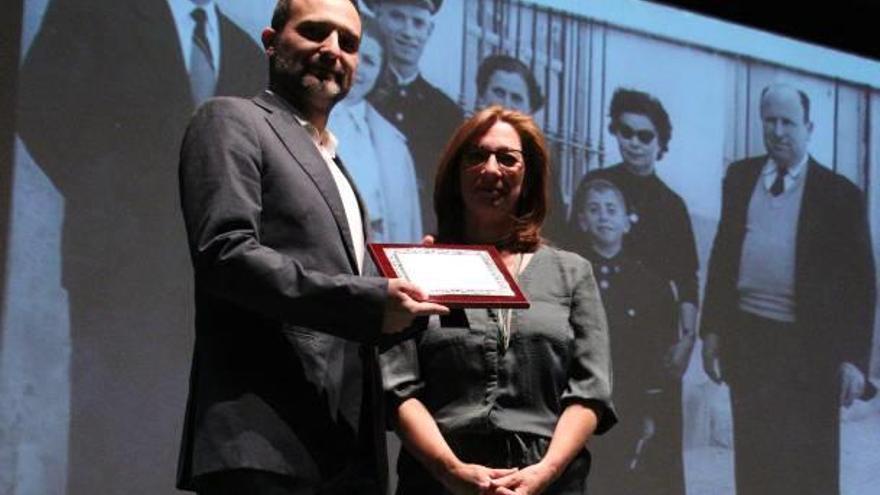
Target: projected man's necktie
point(778, 185)
point(202, 73)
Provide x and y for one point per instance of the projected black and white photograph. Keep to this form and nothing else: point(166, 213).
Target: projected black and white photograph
point(709, 194)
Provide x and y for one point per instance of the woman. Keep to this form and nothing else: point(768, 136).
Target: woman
point(661, 239)
point(502, 399)
point(376, 152)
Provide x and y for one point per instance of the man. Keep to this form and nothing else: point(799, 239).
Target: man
point(106, 90)
point(282, 399)
point(423, 113)
point(789, 306)
point(504, 80)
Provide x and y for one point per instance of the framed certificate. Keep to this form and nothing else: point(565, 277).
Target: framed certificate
point(460, 276)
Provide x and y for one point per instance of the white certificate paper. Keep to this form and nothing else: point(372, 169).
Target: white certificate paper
point(442, 271)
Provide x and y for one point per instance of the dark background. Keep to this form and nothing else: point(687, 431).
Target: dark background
point(848, 25)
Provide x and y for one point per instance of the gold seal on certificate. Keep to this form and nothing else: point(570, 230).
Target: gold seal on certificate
point(462, 276)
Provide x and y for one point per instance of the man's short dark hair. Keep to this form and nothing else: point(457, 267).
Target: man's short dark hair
point(281, 14)
point(638, 102)
point(805, 100)
point(506, 63)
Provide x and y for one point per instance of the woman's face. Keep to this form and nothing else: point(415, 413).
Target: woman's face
point(638, 142)
point(491, 175)
point(368, 69)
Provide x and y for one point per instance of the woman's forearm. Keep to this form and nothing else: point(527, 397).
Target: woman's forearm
point(419, 433)
point(575, 426)
point(423, 439)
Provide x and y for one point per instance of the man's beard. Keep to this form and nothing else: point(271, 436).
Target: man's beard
point(305, 85)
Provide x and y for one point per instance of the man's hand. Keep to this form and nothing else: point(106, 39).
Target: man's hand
point(405, 302)
point(529, 480)
point(852, 384)
point(711, 363)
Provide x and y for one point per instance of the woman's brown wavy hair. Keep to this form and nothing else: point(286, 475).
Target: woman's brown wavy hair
point(530, 210)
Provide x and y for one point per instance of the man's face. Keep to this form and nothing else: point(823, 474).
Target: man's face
point(368, 69)
point(316, 52)
point(507, 89)
point(406, 28)
point(604, 218)
point(786, 133)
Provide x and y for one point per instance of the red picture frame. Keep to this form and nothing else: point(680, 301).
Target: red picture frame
point(384, 256)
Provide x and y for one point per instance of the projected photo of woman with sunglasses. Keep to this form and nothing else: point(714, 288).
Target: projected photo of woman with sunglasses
point(661, 239)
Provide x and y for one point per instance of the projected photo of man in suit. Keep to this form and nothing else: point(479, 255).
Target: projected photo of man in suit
point(106, 131)
point(789, 306)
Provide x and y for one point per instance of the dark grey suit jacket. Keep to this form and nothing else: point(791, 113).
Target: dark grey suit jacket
point(276, 295)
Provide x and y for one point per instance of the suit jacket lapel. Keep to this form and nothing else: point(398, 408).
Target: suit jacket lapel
point(228, 80)
point(303, 150)
point(157, 34)
point(806, 220)
point(746, 188)
point(365, 220)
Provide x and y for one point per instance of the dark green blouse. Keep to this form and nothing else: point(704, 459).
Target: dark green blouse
point(558, 354)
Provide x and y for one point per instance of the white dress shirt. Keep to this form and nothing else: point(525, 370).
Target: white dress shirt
point(327, 144)
point(768, 173)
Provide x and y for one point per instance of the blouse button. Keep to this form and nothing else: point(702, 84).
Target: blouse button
point(631, 312)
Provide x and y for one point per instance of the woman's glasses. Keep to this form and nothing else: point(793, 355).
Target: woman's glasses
point(644, 136)
point(505, 157)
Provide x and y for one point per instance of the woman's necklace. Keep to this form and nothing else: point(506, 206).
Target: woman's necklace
point(505, 316)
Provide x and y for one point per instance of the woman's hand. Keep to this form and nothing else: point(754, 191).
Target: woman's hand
point(422, 438)
point(530, 480)
point(472, 479)
point(575, 426)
